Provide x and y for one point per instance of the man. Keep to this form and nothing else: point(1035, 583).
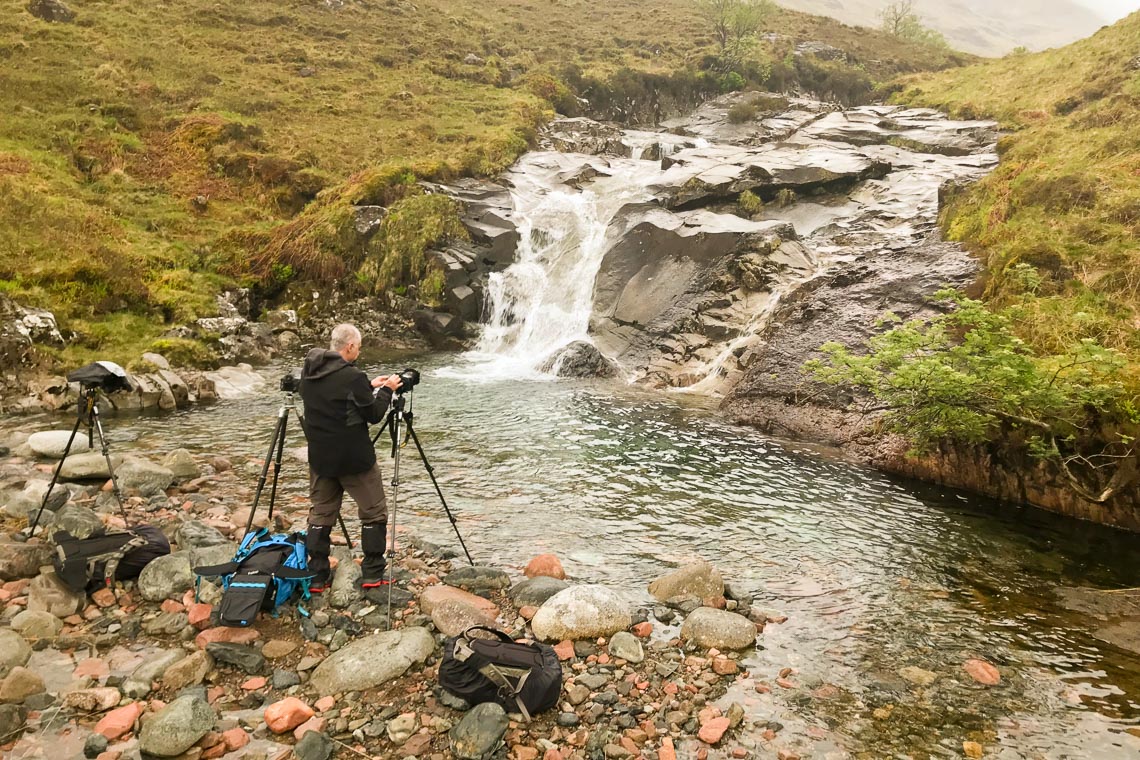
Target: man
point(339, 406)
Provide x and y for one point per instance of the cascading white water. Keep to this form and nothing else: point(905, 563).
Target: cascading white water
point(543, 301)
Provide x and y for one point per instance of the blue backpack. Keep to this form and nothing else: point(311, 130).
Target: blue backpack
point(266, 571)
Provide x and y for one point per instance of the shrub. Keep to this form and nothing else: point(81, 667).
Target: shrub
point(750, 203)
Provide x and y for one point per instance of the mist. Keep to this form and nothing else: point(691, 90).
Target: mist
point(1111, 10)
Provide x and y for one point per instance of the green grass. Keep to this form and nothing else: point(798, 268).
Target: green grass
point(1058, 223)
point(152, 153)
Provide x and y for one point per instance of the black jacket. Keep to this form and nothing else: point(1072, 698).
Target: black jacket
point(339, 407)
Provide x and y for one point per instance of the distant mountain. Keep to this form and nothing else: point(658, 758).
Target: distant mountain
point(983, 27)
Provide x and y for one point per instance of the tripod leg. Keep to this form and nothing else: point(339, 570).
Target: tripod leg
point(110, 466)
point(347, 538)
point(431, 474)
point(55, 476)
point(395, 499)
point(265, 470)
point(279, 445)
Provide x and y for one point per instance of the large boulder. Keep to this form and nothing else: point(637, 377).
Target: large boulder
point(236, 382)
point(195, 534)
point(581, 612)
point(14, 651)
point(433, 596)
point(20, 684)
point(373, 660)
point(176, 727)
point(51, 443)
point(138, 683)
point(711, 628)
point(146, 477)
point(166, 576)
point(699, 579)
point(55, 11)
point(47, 593)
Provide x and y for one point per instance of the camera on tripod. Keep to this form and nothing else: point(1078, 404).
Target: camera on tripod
point(291, 383)
point(107, 377)
point(409, 378)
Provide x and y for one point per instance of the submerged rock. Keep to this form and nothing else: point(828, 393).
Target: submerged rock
point(699, 579)
point(710, 628)
point(579, 359)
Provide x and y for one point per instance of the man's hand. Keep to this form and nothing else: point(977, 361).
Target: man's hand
point(391, 382)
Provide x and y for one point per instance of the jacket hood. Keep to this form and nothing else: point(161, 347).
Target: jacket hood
point(321, 362)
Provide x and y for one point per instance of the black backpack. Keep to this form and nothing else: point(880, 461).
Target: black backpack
point(267, 570)
point(520, 677)
point(87, 564)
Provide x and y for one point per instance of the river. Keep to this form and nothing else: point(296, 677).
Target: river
point(875, 575)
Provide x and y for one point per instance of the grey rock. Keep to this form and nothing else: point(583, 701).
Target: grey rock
point(188, 671)
point(452, 617)
point(626, 646)
point(47, 593)
point(401, 728)
point(181, 465)
point(241, 656)
point(11, 720)
point(51, 443)
point(480, 732)
point(581, 612)
point(579, 359)
point(592, 681)
point(535, 591)
point(478, 578)
point(91, 465)
point(148, 478)
point(195, 534)
point(138, 683)
point(711, 628)
point(37, 625)
point(313, 746)
point(95, 745)
point(699, 579)
point(447, 699)
point(14, 651)
point(367, 219)
point(345, 589)
point(176, 727)
point(22, 560)
point(166, 576)
point(79, 521)
point(55, 11)
point(165, 624)
point(283, 679)
point(158, 360)
point(372, 660)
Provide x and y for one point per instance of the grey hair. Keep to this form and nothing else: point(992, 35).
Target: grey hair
point(342, 335)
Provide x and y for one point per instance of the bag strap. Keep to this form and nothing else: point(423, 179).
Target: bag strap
point(502, 636)
point(136, 541)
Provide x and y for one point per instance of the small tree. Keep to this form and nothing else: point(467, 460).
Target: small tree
point(900, 20)
point(966, 376)
point(734, 26)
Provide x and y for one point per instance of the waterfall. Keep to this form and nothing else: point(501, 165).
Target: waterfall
point(543, 301)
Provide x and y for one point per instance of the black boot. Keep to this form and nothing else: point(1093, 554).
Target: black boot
point(372, 537)
point(318, 543)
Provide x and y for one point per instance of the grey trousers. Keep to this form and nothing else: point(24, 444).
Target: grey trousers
point(365, 488)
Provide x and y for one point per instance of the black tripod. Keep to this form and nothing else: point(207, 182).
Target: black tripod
point(87, 415)
point(274, 455)
point(400, 417)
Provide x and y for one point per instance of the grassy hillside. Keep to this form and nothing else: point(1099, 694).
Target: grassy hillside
point(1059, 221)
point(151, 153)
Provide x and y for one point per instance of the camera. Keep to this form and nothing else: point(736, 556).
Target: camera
point(107, 377)
point(409, 378)
point(291, 383)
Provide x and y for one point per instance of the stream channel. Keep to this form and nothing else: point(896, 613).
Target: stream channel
point(875, 575)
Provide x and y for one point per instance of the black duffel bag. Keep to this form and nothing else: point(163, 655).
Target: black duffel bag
point(524, 678)
point(88, 564)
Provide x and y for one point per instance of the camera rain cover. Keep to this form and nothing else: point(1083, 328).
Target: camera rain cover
point(108, 376)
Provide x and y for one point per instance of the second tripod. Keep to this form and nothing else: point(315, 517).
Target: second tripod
point(274, 455)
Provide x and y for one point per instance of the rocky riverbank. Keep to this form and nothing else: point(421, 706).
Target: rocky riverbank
point(144, 669)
